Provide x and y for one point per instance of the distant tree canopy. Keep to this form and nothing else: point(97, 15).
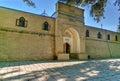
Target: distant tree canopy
point(97, 6)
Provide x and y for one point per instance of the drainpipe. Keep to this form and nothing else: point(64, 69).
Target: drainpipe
point(110, 52)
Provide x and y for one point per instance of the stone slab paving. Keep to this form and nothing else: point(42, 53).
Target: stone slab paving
point(91, 70)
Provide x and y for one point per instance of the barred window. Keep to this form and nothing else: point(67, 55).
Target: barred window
point(21, 22)
point(108, 37)
point(45, 26)
point(116, 38)
point(99, 35)
point(87, 33)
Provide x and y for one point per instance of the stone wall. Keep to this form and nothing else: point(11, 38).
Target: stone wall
point(72, 19)
point(33, 43)
point(23, 46)
point(34, 22)
point(30, 43)
point(102, 48)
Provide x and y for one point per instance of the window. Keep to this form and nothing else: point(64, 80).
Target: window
point(116, 38)
point(108, 37)
point(21, 22)
point(87, 33)
point(45, 25)
point(99, 35)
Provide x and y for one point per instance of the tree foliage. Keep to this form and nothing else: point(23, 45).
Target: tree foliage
point(29, 3)
point(117, 3)
point(97, 6)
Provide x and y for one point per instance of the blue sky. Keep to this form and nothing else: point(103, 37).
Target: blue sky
point(109, 23)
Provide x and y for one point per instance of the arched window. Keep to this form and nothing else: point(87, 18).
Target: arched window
point(108, 37)
point(21, 22)
point(99, 35)
point(45, 25)
point(116, 38)
point(87, 33)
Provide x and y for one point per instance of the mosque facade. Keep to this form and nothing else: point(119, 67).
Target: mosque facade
point(63, 36)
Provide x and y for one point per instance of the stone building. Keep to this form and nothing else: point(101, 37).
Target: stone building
point(27, 36)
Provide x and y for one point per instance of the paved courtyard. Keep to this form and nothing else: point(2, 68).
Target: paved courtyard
point(92, 70)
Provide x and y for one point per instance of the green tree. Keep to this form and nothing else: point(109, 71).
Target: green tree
point(97, 6)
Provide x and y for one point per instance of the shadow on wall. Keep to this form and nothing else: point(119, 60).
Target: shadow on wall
point(78, 71)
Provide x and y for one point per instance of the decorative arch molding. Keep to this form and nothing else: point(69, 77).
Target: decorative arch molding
point(72, 39)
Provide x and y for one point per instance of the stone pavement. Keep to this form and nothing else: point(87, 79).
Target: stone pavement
point(91, 70)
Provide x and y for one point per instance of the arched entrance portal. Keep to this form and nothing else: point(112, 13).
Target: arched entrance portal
point(66, 48)
point(71, 42)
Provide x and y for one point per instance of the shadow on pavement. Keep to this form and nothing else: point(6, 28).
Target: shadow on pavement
point(99, 70)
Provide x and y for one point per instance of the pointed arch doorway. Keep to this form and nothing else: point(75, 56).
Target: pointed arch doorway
point(67, 48)
point(71, 42)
